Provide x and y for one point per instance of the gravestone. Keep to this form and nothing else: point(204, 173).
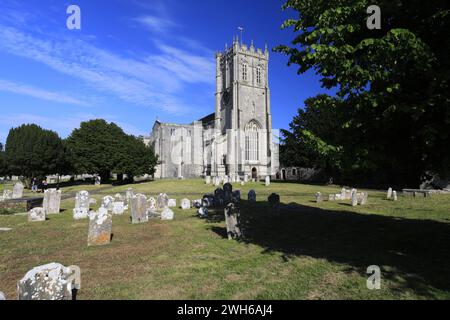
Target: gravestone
point(151, 204)
point(92, 201)
point(232, 220)
point(167, 214)
point(118, 208)
point(129, 194)
point(98, 181)
point(36, 214)
point(208, 180)
point(267, 181)
point(100, 227)
point(119, 198)
point(2, 296)
point(217, 182)
point(185, 204)
point(139, 209)
point(332, 197)
point(162, 201)
point(389, 193)
point(237, 196)
point(107, 202)
point(319, 198)
point(364, 198)
point(233, 178)
point(246, 178)
point(203, 212)
point(343, 193)
point(207, 201)
point(354, 198)
point(274, 203)
point(252, 196)
point(17, 191)
point(82, 203)
point(218, 197)
point(52, 201)
point(52, 281)
point(394, 195)
point(172, 203)
point(7, 194)
point(242, 183)
point(227, 193)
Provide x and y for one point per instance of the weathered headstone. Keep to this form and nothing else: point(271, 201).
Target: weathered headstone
point(167, 214)
point(197, 203)
point(389, 193)
point(332, 197)
point(217, 182)
point(274, 203)
point(151, 204)
point(82, 203)
point(100, 227)
point(246, 178)
point(119, 197)
point(364, 197)
point(129, 194)
point(139, 209)
point(36, 214)
point(232, 217)
point(2, 296)
point(172, 203)
point(267, 181)
point(98, 180)
point(52, 281)
point(162, 201)
point(394, 195)
point(7, 194)
point(319, 198)
point(252, 196)
point(107, 202)
point(118, 207)
point(52, 201)
point(17, 191)
point(208, 180)
point(354, 198)
point(343, 193)
point(207, 201)
point(185, 204)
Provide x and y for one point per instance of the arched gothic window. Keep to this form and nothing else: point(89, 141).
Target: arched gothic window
point(244, 72)
point(252, 141)
point(259, 75)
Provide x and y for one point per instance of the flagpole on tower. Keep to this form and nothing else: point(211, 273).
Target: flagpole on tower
point(242, 31)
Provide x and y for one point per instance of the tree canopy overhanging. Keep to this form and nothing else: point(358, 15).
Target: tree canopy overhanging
point(389, 121)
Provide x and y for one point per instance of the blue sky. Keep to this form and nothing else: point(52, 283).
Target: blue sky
point(133, 61)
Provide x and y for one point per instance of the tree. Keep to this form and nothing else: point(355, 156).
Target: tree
point(98, 147)
point(33, 152)
point(393, 82)
point(3, 167)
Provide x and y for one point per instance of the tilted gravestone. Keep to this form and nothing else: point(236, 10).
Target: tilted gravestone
point(100, 227)
point(17, 191)
point(185, 204)
point(167, 214)
point(252, 196)
point(274, 204)
point(52, 201)
point(139, 209)
point(162, 201)
point(36, 214)
point(118, 207)
point(82, 204)
point(52, 281)
point(232, 220)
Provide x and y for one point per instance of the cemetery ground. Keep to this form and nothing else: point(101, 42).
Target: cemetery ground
point(310, 251)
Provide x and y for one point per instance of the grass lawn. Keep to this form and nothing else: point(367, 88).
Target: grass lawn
point(311, 251)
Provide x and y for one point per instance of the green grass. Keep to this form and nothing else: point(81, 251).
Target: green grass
point(311, 251)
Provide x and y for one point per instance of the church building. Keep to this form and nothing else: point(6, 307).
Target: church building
point(236, 139)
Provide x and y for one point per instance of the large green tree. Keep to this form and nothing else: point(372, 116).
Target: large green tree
point(392, 84)
point(3, 167)
point(33, 152)
point(99, 147)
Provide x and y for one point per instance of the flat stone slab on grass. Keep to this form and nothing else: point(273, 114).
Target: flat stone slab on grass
point(5, 229)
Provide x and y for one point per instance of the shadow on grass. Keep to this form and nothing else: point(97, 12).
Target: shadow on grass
point(415, 250)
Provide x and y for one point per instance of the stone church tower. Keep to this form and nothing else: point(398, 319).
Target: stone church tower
point(236, 139)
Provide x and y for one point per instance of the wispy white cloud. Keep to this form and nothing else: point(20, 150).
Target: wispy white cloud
point(8, 86)
point(156, 24)
point(155, 81)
